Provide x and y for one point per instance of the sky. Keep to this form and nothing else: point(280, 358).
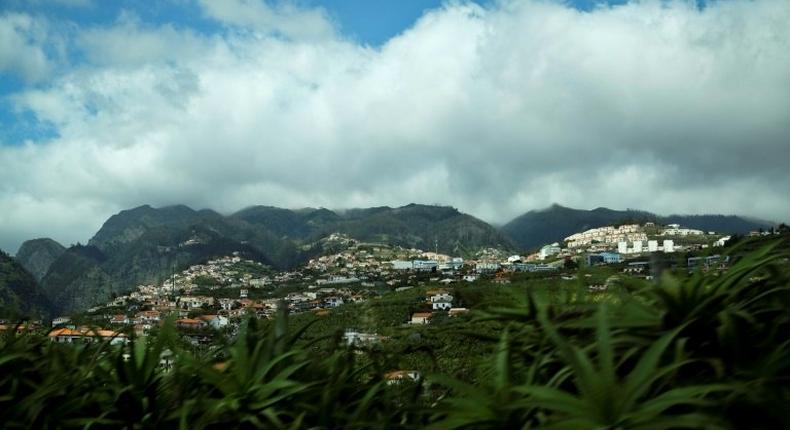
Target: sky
point(495, 107)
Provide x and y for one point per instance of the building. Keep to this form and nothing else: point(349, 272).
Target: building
point(549, 250)
point(669, 246)
point(603, 258)
point(85, 334)
point(675, 230)
point(401, 265)
point(622, 247)
point(420, 318)
point(605, 235)
point(486, 267)
point(214, 321)
point(707, 262)
point(120, 319)
point(441, 301)
point(453, 312)
point(425, 265)
point(333, 301)
point(356, 338)
point(722, 241)
point(190, 324)
point(60, 321)
point(652, 246)
point(401, 376)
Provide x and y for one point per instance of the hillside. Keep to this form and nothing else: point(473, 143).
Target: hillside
point(37, 255)
point(19, 293)
point(418, 226)
point(145, 244)
point(553, 224)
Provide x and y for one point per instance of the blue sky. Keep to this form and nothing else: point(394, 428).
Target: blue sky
point(496, 107)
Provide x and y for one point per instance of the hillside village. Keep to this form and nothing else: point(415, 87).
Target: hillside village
point(215, 296)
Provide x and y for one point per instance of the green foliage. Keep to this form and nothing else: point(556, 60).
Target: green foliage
point(19, 292)
point(710, 350)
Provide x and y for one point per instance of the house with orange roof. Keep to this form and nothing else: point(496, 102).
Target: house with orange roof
point(85, 334)
point(401, 376)
point(190, 323)
point(214, 321)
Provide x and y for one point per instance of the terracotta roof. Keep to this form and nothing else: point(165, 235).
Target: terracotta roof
point(400, 374)
point(84, 331)
point(422, 314)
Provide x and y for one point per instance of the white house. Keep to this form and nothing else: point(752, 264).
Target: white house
point(226, 304)
point(60, 321)
point(549, 250)
point(333, 301)
point(215, 321)
point(441, 301)
point(356, 338)
point(722, 241)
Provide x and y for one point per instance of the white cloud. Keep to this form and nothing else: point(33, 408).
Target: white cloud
point(284, 18)
point(20, 50)
point(498, 110)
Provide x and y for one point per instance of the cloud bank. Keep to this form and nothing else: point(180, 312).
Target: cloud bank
point(496, 110)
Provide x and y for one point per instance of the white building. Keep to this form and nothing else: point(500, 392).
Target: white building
point(605, 235)
point(675, 230)
point(669, 246)
point(549, 250)
point(441, 301)
point(622, 247)
point(401, 265)
point(652, 246)
point(722, 241)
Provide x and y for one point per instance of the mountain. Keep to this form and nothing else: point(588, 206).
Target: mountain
point(19, 293)
point(539, 227)
point(418, 226)
point(144, 245)
point(129, 225)
point(76, 280)
point(37, 255)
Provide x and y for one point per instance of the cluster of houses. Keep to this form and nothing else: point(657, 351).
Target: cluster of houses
point(610, 244)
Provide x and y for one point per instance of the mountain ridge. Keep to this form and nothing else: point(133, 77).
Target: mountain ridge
point(145, 244)
point(552, 224)
point(37, 255)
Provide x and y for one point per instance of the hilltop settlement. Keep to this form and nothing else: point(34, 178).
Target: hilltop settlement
point(211, 299)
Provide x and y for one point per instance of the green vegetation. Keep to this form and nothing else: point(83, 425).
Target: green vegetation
point(706, 350)
point(19, 293)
